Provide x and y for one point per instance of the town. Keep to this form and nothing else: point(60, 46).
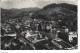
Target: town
point(36, 34)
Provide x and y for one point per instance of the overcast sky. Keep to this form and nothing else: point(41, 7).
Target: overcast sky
point(9, 4)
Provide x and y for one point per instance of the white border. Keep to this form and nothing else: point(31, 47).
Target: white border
point(51, 51)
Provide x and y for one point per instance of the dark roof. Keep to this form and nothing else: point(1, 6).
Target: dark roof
point(6, 38)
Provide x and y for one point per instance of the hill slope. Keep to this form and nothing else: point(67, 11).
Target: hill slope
point(67, 13)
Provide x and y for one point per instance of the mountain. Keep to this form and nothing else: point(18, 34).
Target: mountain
point(63, 5)
point(67, 13)
point(13, 13)
point(55, 10)
point(24, 10)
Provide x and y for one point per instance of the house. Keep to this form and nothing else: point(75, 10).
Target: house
point(72, 35)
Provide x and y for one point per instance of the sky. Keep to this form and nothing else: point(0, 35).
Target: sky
point(9, 4)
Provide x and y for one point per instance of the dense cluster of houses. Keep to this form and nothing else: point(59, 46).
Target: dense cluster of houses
point(35, 30)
